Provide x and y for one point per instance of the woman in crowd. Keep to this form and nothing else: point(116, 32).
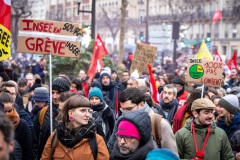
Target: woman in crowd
point(22, 132)
point(229, 120)
point(103, 114)
point(75, 136)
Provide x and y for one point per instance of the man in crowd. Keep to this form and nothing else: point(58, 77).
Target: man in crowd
point(234, 78)
point(133, 138)
point(132, 99)
point(39, 69)
point(125, 77)
point(82, 75)
point(30, 80)
point(182, 95)
point(41, 130)
point(169, 103)
point(201, 138)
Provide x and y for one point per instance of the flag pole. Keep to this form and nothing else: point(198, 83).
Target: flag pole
point(50, 88)
point(202, 91)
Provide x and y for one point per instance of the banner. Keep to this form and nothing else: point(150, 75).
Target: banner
point(144, 55)
point(5, 25)
point(217, 15)
point(45, 37)
point(232, 63)
point(204, 72)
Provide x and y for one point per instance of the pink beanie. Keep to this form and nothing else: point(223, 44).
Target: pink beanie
point(126, 128)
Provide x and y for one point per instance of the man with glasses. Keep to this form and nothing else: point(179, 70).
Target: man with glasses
point(133, 138)
point(131, 100)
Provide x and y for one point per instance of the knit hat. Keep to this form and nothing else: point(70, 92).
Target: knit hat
point(236, 91)
point(178, 81)
point(41, 94)
point(60, 84)
point(126, 128)
point(96, 84)
point(36, 84)
point(95, 92)
point(105, 73)
point(161, 154)
point(230, 103)
point(202, 103)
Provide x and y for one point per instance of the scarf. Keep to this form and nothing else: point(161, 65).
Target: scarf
point(36, 109)
point(109, 90)
point(99, 107)
point(179, 93)
point(172, 107)
point(178, 118)
point(14, 117)
point(139, 154)
point(234, 125)
point(69, 138)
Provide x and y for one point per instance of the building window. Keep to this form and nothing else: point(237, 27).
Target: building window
point(233, 48)
point(86, 8)
point(68, 12)
point(140, 1)
point(224, 50)
point(226, 34)
point(141, 12)
point(53, 2)
point(60, 1)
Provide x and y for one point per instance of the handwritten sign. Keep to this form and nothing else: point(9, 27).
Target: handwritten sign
point(46, 45)
point(144, 55)
point(204, 72)
point(45, 37)
point(59, 28)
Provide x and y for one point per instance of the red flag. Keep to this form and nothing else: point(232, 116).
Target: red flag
point(153, 84)
point(217, 57)
point(96, 61)
point(232, 63)
point(217, 15)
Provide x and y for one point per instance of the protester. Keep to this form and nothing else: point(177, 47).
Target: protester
point(234, 78)
point(23, 91)
point(229, 120)
point(76, 86)
point(193, 144)
point(169, 103)
point(6, 137)
point(133, 138)
point(7, 73)
point(132, 99)
point(102, 112)
point(132, 82)
point(76, 134)
point(41, 130)
point(125, 77)
point(40, 69)
point(181, 93)
point(30, 79)
point(22, 132)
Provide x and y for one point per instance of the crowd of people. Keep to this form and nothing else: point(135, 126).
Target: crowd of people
point(115, 117)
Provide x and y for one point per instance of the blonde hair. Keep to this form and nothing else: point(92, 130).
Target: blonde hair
point(228, 119)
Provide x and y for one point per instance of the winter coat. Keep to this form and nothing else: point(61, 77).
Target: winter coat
point(81, 150)
point(217, 148)
point(37, 69)
point(23, 137)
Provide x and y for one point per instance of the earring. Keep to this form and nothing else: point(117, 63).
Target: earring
point(71, 118)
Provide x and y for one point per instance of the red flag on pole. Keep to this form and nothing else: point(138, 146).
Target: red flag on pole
point(217, 57)
point(96, 61)
point(217, 15)
point(232, 63)
point(153, 84)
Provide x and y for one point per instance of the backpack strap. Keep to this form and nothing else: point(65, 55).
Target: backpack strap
point(94, 146)
point(42, 115)
point(156, 126)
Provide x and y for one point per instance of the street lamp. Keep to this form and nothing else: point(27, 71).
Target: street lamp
point(93, 15)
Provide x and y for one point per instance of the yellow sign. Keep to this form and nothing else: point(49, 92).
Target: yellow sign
point(203, 52)
point(5, 43)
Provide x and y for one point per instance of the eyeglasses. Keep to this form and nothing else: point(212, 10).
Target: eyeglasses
point(9, 111)
point(85, 111)
point(128, 109)
point(125, 138)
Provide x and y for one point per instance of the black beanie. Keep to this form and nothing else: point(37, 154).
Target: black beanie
point(96, 84)
point(60, 84)
point(36, 84)
point(178, 81)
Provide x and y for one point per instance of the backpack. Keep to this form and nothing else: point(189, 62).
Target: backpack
point(42, 115)
point(156, 129)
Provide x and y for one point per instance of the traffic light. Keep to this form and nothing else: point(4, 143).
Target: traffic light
point(141, 35)
point(208, 39)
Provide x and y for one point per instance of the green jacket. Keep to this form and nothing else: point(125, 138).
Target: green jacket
point(217, 148)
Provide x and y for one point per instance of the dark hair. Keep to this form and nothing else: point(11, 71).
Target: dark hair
point(6, 127)
point(126, 71)
point(193, 96)
point(6, 97)
point(8, 84)
point(78, 83)
point(144, 89)
point(215, 97)
point(198, 110)
point(73, 103)
point(132, 94)
point(66, 95)
point(214, 91)
point(22, 82)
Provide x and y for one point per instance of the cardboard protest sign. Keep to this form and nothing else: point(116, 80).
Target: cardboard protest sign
point(45, 37)
point(46, 46)
point(204, 72)
point(144, 55)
